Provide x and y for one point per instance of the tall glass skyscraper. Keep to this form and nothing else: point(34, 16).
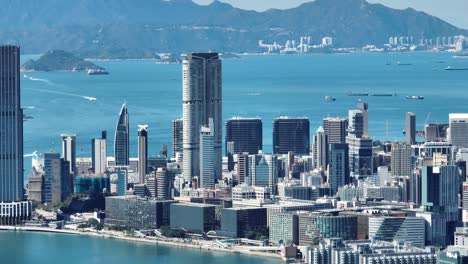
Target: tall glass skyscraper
point(121, 140)
point(202, 100)
point(13, 210)
point(245, 133)
point(142, 152)
point(11, 126)
point(291, 134)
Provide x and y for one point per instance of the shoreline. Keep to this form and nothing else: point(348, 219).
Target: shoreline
point(121, 237)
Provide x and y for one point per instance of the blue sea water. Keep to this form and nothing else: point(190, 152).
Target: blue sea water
point(45, 248)
point(254, 86)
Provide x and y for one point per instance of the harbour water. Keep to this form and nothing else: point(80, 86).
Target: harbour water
point(45, 248)
point(263, 86)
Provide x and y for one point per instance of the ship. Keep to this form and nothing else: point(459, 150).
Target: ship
point(97, 72)
point(455, 69)
point(403, 64)
point(382, 94)
point(330, 99)
point(357, 94)
point(415, 97)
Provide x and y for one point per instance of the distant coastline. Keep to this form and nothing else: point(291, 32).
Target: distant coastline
point(120, 236)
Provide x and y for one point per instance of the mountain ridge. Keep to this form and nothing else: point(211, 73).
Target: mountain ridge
point(147, 26)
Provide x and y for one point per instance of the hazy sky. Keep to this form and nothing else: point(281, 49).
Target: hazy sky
point(453, 11)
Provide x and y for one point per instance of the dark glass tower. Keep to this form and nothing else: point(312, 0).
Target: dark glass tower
point(291, 134)
point(121, 141)
point(246, 133)
point(11, 126)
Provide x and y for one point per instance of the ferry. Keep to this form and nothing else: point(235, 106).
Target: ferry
point(415, 97)
point(97, 72)
point(330, 99)
point(382, 94)
point(357, 94)
point(455, 69)
point(403, 64)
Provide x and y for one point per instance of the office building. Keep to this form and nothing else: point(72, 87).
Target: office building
point(410, 128)
point(402, 164)
point(439, 195)
point(121, 139)
point(458, 130)
point(360, 157)
point(356, 123)
point(338, 169)
point(194, 217)
point(245, 133)
point(137, 213)
point(142, 152)
point(284, 228)
point(401, 229)
point(230, 155)
point(335, 129)
point(436, 132)
point(236, 222)
point(177, 137)
point(263, 171)
point(291, 134)
point(320, 149)
point(58, 184)
point(316, 226)
point(36, 188)
point(92, 184)
point(163, 184)
point(122, 181)
point(202, 100)
point(207, 156)
point(69, 151)
point(364, 107)
point(99, 154)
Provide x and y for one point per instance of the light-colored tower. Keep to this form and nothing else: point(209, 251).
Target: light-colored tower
point(69, 151)
point(401, 159)
point(458, 130)
point(321, 149)
point(142, 152)
point(99, 154)
point(162, 178)
point(202, 100)
point(207, 156)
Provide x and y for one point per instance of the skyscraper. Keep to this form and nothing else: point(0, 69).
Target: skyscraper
point(364, 107)
point(202, 100)
point(401, 159)
point(321, 149)
point(177, 136)
point(163, 183)
point(69, 151)
point(11, 126)
point(207, 156)
point(246, 133)
point(291, 134)
point(410, 128)
point(99, 154)
point(142, 152)
point(121, 139)
point(458, 130)
point(12, 207)
point(360, 145)
point(356, 123)
point(338, 169)
point(439, 197)
point(58, 181)
point(335, 129)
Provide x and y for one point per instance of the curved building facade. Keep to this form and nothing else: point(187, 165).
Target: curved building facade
point(121, 140)
point(313, 227)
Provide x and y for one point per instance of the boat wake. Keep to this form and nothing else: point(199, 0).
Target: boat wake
point(254, 94)
point(89, 98)
point(38, 79)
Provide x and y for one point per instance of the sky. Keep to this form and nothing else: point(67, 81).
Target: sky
point(452, 11)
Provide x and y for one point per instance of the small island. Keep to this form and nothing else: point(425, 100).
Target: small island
point(59, 60)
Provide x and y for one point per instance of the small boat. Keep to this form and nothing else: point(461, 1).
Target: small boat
point(415, 97)
point(97, 72)
point(357, 94)
point(455, 69)
point(403, 64)
point(330, 99)
point(382, 94)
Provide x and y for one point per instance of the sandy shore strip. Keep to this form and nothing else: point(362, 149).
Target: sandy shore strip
point(114, 235)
